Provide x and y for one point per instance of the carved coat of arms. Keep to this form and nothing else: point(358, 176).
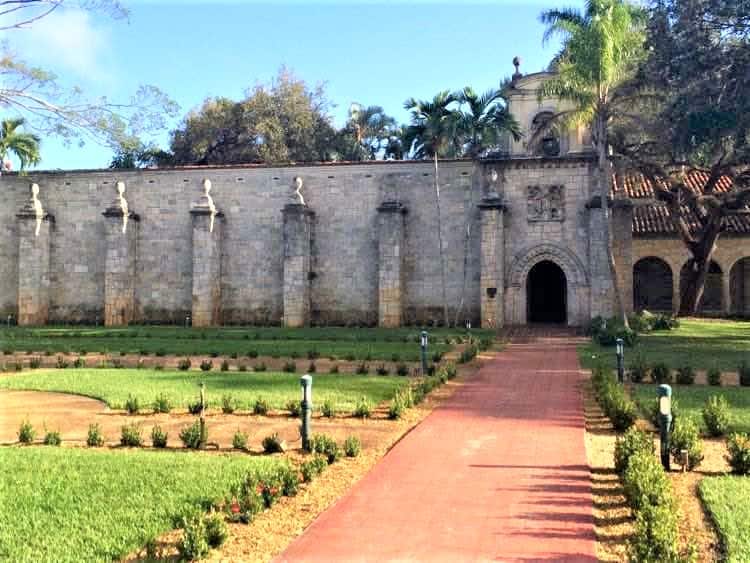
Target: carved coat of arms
point(546, 203)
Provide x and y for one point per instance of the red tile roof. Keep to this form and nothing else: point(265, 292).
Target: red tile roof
point(636, 186)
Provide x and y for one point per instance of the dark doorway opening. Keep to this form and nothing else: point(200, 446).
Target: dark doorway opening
point(546, 293)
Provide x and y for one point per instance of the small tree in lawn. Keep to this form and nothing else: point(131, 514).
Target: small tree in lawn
point(433, 132)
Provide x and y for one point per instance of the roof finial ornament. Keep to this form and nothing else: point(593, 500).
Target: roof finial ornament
point(517, 64)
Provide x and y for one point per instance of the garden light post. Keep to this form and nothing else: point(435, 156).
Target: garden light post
point(306, 383)
point(665, 421)
point(423, 349)
point(620, 360)
point(10, 317)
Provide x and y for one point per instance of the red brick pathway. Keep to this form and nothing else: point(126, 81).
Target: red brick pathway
point(498, 472)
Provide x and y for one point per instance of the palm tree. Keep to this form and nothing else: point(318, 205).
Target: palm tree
point(601, 50)
point(371, 128)
point(432, 133)
point(485, 120)
point(24, 145)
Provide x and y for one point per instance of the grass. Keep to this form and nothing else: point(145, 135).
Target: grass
point(701, 343)
point(692, 398)
point(362, 343)
point(63, 504)
point(115, 385)
point(728, 502)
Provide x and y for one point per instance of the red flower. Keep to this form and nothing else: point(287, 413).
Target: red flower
point(235, 507)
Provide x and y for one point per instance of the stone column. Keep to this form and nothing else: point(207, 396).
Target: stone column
point(622, 236)
point(34, 226)
point(726, 293)
point(121, 232)
point(207, 234)
point(298, 220)
point(602, 289)
point(390, 259)
point(492, 256)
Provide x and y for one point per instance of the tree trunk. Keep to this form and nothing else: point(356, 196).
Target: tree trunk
point(695, 282)
point(604, 180)
point(446, 320)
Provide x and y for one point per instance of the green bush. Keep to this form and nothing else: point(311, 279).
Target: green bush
point(639, 369)
point(273, 444)
point(450, 370)
point(260, 407)
point(325, 445)
point(685, 375)
point(436, 357)
point(382, 370)
point(239, 440)
point(738, 446)
point(633, 442)
point(334, 369)
point(289, 479)
point(184, 364)
point(196, 407)
point(206, 365)
point(228, 404)
point(224, 365)
point(216, 530)
point(62, 363)
point(158, 437)
point(615, 403)
point(468, 354)
point(52, 438)
point(328, 409)
point(242, 367)
point(363, 408)
point(252, 354)
point(131, 436)
point(131, 404)
point(685, 436)
point(294, 408)
point(260, 367)
point(396, 408)
point(245, 500)
point(713, 376)
point(193, 544)
point(352, 446)
point(313, 467)
point(660, 373)
point(290, 367)
point(402, 369)
point(656, 535)
point(162, 404)
point(645, 483)
point(94, 437)
point(192, 437)
point(78, 363)
point(312, 368)
point(716, 415)
point(26, 432)
point(362, 369)
point(744, 373)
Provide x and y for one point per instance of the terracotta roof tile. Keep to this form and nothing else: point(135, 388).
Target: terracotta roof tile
point(636, 186)
point(655, 219)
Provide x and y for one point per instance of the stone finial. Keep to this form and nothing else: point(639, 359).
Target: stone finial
point(298, 184)
point(123, 205)
point(36, 205)
point(517, 63)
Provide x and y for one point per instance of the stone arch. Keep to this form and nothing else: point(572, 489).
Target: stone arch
point(577, 281)
point(711, 302)
point(652, 285)
point(739, 287)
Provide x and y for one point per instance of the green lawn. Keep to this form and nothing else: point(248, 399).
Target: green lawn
point(65, 504)
point(728, 502)
point(691, 399)
point(115, 385)
point(700, 343)
point(360, 343)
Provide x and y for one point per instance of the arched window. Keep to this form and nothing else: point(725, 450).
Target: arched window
point(739, 287)
point(652, 285)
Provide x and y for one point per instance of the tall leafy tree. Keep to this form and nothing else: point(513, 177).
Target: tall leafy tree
point(695, 148)
point(24, 146)
point(601, 49)
point(367, 132)
point(485, 120)
point(432, 133)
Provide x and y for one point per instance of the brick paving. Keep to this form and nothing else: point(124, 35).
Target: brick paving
point(497, 472)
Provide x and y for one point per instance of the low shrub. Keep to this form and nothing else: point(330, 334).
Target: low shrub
point(450, 370)
point(334, 368)
point(363, 369)
point(468, 354)
point(312, 368)
point(184, 364)
point(660, 373)
point(327, 446)
point(685, 375)
point(382, 370)
point(396, 408)
point(193, 543)
point(158, 437)
point(289, 367)
point(656, 535)
point(228, 404)
point(252, 354)
point(273, 444)
point(716, 415)
point(196, 407)
point(615, 403)
point(328, 409)
point(352, 446)
point(206, 365)
point(224, 365)
point(436, 357)
point(311, 468)
point(62, 363)
point(94, 437)
point(402, 369)
point(242, 367)
point(713, 376)
point(52, 438)
point(214, 354)
point(744, 373)
point(363, 409)
point(131, 404)
point(131, 436)
point(639, 369)
point(162, 404)
point(26, 432)
point(260, 407)
point(289, 479)
point(685, 436)
point(260, 367)
point(194, 436)
point(294, 408)
point(633, 442)
point(349, 357)
point(35, 363)
point(313, 354)
point(239, 440)
point(738, 446)
point(645, 482)
point(216, 530)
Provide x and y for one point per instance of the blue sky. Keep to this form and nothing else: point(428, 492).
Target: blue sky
point(369, 52)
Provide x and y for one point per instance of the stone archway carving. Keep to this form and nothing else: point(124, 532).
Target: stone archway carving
point(578, 290)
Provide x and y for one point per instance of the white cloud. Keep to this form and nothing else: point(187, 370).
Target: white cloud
point(67, 39)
